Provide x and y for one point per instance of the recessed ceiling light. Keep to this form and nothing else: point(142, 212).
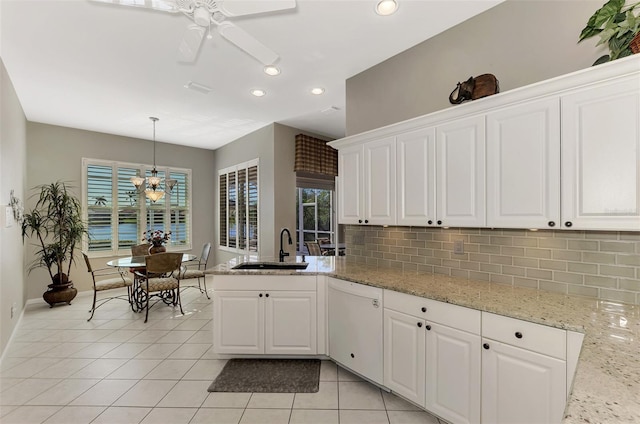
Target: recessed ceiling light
point(386, 7)
point(317, 90)
point(271, 70)
point(258, 92)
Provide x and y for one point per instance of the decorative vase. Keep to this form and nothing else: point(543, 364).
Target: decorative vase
point(60, 293)
point(157, 248)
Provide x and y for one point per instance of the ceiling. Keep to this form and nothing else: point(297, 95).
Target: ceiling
point(107, 68)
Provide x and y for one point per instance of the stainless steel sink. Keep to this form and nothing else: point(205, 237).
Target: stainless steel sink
point(272, 265)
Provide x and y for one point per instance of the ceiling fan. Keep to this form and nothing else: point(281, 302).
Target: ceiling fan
point(206, 13)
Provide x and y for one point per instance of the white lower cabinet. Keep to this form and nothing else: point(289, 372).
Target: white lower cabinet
point(436, 366)
point(521, 386)
point(404, 355)
point(453, 374)
point(265, 315)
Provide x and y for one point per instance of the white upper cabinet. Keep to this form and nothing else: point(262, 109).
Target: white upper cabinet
point(350, 185)
point(523, 165)
point(460, 167)
point(601, 156)
point(416, 172)
point(367, 183)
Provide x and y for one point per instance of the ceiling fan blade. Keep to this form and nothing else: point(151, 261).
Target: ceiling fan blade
point(248, 43)
point(162, 5)
point(242, 7)
point(191, 42)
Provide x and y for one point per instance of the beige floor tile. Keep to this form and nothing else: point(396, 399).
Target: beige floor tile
point(121, 415)
point(30, 367)
point(100, 368)
point(146, 393)
point(148, 336)
point(127, 350)
point(205, 369)
point(95, 350)
point(65, 350)
point(92, 335)
point(314, 416)
point(5, 409)
point(26, 390)
point(411, 417)
point(325, 398)
point(227, 400)
point(202, 336)
point(194, 325)
point(186, 394)
point(10, 362)
point(5, 383)
point(190, 351)
point(65, 368)
point(217, 416)
point(30, 414)
point(346, 375)
point(328, 371)
point(362, 417)
point(163, 324)
point(271, 400)
point(64, 392)
point(176, 336)
point(104, 393)
point(395, 403)
point(75, 415)
point(158, 351)
point(359, 395)
point(171, 369)
point(134, 369)
point(122, 336)
point(170, 416)
point(265, 416)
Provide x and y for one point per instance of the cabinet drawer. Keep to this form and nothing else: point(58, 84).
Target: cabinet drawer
point(527, 335)
point(455, 316)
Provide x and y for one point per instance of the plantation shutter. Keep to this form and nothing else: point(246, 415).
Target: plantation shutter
point(179, 209)
point(99, 207)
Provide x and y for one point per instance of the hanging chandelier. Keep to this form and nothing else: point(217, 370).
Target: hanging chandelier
point(153, 186)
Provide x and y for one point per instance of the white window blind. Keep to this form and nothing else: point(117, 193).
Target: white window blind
point(117, 215)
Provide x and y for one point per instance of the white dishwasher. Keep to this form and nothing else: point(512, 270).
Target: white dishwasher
point(355, 328)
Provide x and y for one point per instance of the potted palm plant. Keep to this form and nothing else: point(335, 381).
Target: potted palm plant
point(618, 25)
point(55, 222)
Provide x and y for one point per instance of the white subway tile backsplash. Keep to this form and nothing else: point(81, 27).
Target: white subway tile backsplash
point(601, 264)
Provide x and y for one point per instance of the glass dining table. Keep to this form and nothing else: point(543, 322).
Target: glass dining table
point(137, 264)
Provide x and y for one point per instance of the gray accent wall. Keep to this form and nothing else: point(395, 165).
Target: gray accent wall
point(13, 148)
point(55, 153)
point(519, 41)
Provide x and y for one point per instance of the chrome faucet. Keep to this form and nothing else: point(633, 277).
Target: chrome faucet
point(282, 252)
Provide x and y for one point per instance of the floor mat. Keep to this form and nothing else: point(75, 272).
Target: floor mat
point(268, 376)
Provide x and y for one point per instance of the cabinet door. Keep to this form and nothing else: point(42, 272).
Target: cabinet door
point(416, 172)
point(601, 157)
point(350, 185)
point(523, 165)
point(380, 181)
point(460, 193)
point(290, 322)
point(404, 355)
point(238, 325)
point(453, 374)
point(520, 386)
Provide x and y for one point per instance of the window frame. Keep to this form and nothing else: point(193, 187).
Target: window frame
point(244, 166)
point(142, 224)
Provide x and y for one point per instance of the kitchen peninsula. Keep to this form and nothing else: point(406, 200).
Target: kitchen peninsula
point(606, 386)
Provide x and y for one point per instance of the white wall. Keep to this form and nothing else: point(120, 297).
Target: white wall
point(12, 176)
point(519, 41)
point(55, 153)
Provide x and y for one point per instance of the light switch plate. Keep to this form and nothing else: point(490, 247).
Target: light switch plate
point(8, 216)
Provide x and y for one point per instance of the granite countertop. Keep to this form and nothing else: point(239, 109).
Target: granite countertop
point(606, 388)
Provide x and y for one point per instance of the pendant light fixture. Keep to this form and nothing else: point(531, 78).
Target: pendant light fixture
point(153, 189)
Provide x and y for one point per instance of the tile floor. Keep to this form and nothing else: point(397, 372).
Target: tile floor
point(59, 368)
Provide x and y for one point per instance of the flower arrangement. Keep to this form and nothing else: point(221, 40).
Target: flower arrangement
point(156, 237)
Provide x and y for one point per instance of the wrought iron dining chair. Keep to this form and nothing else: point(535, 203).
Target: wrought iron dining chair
point(161, 279)
point(108, 279)
point(325, 252)
point(198, 272)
